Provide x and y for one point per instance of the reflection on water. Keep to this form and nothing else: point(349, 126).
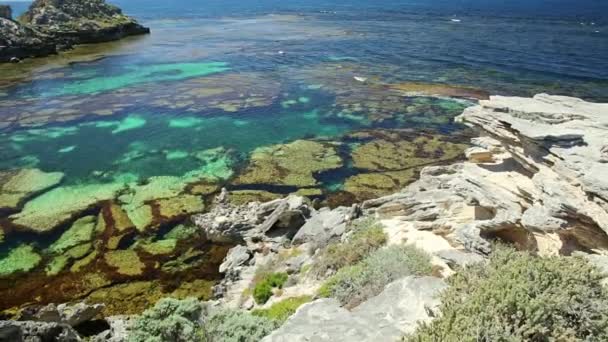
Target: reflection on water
point(106, 150)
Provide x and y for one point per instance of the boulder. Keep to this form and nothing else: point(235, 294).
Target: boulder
point(236, 257)
point(325, 225)
point(387, 317)
point(275, 220)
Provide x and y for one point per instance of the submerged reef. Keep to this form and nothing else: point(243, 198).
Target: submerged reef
point(202, 87)
point(18, 185)
point(391, 159)
point(290, 164)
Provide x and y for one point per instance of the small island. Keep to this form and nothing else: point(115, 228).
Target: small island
point(50, 26)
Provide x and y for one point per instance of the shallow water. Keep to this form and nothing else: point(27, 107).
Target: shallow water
point(340, 101)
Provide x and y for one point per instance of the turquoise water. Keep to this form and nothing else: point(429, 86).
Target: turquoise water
point(265, 98)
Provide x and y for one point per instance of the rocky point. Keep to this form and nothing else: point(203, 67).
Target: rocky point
point(50, 26)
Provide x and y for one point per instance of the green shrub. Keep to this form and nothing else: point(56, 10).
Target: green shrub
point(520, 297)
point(237, 326)
point(263, 289)
point(367, 236)
point(172, 320)
point(169, 320)
point(282, 310)
point(352, 285)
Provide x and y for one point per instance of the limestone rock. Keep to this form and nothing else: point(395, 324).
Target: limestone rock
point(36, 331)
point(53, 25)
point(71, 315)
point(19, 41)
point(119, 329)
point(386, 317)
point(236, 257)
point(227, 223)
point(83, 21)
point(546, 180)
point(324, 225)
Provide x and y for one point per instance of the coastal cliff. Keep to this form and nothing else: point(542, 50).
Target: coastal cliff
point(50, 26)
point(447, 258)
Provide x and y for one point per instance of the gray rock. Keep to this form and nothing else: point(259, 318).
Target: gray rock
point(386, 317)
point(71, 315)
point(324, 225)
point(50, 26)
point(294, 264)
point(119, 329)
point(236, 257)
point(29, 331)
point(548, 176)
point(458, 258)
point(275, 221)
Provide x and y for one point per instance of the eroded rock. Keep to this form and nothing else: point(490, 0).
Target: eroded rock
point(387, 317)
point(543, 188)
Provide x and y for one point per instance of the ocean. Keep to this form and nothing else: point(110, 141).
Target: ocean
point(339, 101)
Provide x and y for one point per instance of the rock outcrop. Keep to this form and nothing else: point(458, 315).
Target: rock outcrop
point(71, 315)
point(82, 21)
point(536, 177)
point(50, 26)
point(6, 12)
point(386, 317)
point(19, 41)
point(37, 331)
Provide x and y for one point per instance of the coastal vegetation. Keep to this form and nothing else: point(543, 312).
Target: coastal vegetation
point(517, 296)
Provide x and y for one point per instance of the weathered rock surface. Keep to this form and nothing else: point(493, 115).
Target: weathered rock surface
point(228, 223)
point(324, 225)
point(71, 315)
point(544, 186)
point(386, 317)
point(19, 41)
point(36, 332)
point(53, 25)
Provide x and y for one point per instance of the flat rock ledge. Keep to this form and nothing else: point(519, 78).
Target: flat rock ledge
point(387, 317)
point(536, 177)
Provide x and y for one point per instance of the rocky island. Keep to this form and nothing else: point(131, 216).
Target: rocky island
point(50, 26)
point(510, 244)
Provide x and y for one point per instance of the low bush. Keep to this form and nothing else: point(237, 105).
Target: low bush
point(282, 310)
point(237, 326)
point(169, 320)
point(263, 289)
point(520, 297)
point(366, 236)
point(352, 285)
point(172, 320)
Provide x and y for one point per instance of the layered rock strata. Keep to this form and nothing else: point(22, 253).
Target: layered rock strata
point(536, 176)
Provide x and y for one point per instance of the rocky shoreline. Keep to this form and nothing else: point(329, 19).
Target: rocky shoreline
point(533, 179)
point(50, 26)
